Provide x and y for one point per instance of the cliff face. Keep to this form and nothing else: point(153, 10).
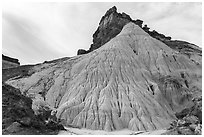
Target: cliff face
point(133, 81)
point(112, 23)
point(8, 62)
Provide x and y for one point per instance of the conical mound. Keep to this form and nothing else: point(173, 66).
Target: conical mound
point(134, 81)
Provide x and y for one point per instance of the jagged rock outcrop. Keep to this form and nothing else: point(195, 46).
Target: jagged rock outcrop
point(133, 81)
point(8, 62)
point(112, 23)
point(81, 51)
point(189, 120)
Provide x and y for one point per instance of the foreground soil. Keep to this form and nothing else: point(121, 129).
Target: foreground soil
point(18, 117)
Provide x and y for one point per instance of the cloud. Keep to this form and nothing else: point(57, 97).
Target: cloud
point(35, 32)
point(24, 40)
point(181, 21)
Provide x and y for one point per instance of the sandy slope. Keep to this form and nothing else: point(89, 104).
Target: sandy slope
point(133, 82)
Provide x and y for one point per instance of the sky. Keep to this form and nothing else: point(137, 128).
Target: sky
point(36, 32)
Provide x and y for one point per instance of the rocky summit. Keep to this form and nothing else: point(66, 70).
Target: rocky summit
point(112, 23)
point(130, 80)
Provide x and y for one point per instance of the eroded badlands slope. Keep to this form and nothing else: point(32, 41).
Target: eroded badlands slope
point(134, 81)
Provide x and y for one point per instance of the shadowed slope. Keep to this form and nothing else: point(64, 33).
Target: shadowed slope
point(134, 81)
